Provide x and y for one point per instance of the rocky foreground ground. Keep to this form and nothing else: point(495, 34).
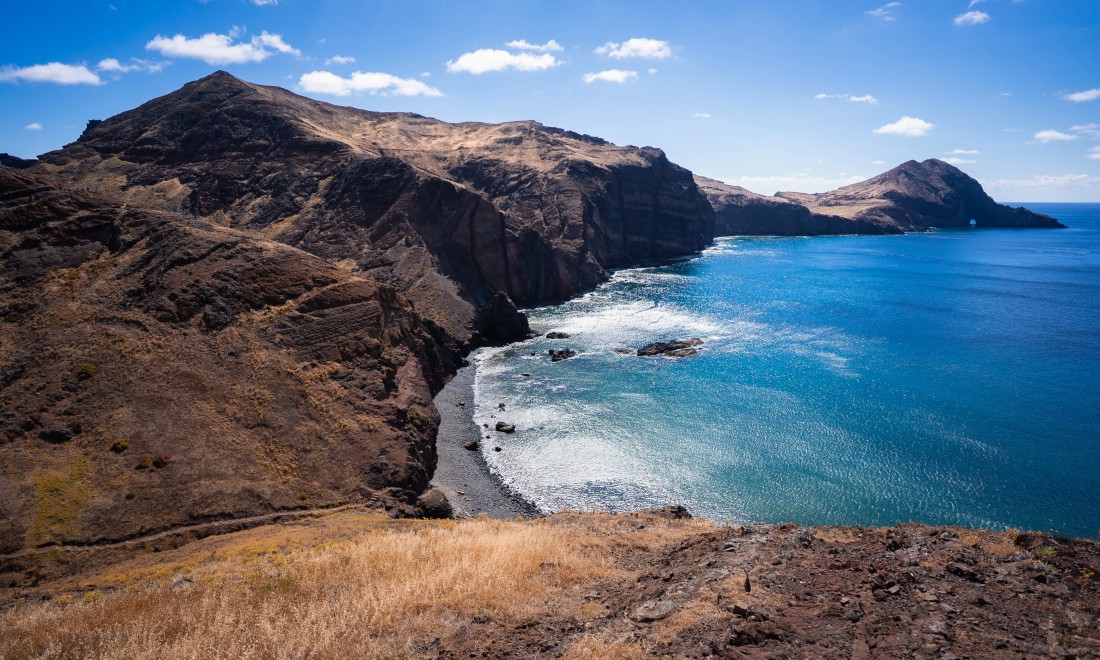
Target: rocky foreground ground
point(654, 584)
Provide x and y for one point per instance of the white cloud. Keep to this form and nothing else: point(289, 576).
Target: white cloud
point(650, 49)
point(1051, 135)
point(651, 71)
point(974, 3)
point(264, 3)
point(866, 98)
point(878, 162)
point(425, 74)
point(906, 126)
point(701, 115)
point(1081, 97)
point(1091, 130)
point(54, 72)
point(963, 152)
point(885, 12)
point(339, 59)
point(112, 65)
point(485, 60)
point(959, 161)
point(1093, 154)
point(1049, 181)
point(800, 182)
point(611, 75)
point(214, 48)
point(33, 127)
point(276, 41)
point(523, 44)
point(973, 18)
point(324, 82)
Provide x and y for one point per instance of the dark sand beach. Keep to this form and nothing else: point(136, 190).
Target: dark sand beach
point(461, 474)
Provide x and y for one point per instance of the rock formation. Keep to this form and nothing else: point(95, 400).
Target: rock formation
point(158, 371)
point(741, 212)
point(465, 219)
point(911, 197)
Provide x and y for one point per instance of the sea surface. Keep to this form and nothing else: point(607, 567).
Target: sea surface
point(949, 377)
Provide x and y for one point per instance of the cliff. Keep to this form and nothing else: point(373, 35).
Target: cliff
point(741, 212)
point(159, 371)
point(915, 196)
point(465, 219)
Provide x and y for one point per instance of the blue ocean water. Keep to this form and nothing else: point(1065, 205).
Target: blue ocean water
point(950, 377)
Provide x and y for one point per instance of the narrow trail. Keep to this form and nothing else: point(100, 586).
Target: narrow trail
point(203, 530)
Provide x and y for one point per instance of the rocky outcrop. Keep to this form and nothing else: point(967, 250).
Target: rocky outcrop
point(159, 371)
point(676, 349)
point(741, 212)
point(467, 220)
point(917, 196)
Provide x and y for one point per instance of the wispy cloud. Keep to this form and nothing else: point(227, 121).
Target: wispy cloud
point(53, 72)
point(651, 49)
point(112, 65)
point(265, 3)
point(959, 161)
point(963, 152)
point(35, 126)
point(701, 115)
point(972, 18)
point(1048, 181)
point(906, 126)
point(974, 3)
point(523, 44)
point(611, 75)
point(1093, 154)
point(214, 48)
point(339, 59)
point(1091, 130)
point(885, 12)
point(325, 82)
point(1051, 135)
point(866, 98)
point(485, 60)
point(1081, 97)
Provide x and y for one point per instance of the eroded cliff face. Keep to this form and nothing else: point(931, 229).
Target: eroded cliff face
point(463, 218)
point(157, 371)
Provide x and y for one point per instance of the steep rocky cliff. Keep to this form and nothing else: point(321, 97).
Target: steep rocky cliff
point(741, 212)
point(463, 218)
point(157, 371)
point(915, 196)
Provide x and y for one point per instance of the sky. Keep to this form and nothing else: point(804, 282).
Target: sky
point(803, 95)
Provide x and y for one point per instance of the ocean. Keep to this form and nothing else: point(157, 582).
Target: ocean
point(947, 377)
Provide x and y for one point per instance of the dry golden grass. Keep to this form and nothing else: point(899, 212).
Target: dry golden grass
point(387, 592)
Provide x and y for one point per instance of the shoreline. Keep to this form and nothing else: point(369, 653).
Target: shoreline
point(463, 475)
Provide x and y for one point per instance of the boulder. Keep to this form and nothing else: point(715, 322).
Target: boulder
point(676, 349)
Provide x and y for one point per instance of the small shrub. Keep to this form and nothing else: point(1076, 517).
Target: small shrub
point(1045, 551)
point(303, 497)
point(86, 371)
point(120, 445)
point(144, 463)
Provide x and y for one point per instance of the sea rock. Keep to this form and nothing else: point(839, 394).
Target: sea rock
point(472, 445)
point(676, 349)
point(563, 354)
point(557, 335)
point(504, 427)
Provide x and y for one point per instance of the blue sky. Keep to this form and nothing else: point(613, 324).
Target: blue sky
point(799, 95)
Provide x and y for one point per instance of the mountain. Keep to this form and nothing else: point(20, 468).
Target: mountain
point(466, 219)
point(741, 212)
point(911, 197)
point(157, 371)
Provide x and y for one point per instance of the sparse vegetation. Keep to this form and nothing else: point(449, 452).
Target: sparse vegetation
point(86, 371)
point(1045, 552)
point(144, 463)
point(120, 445)
point(60, 494)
